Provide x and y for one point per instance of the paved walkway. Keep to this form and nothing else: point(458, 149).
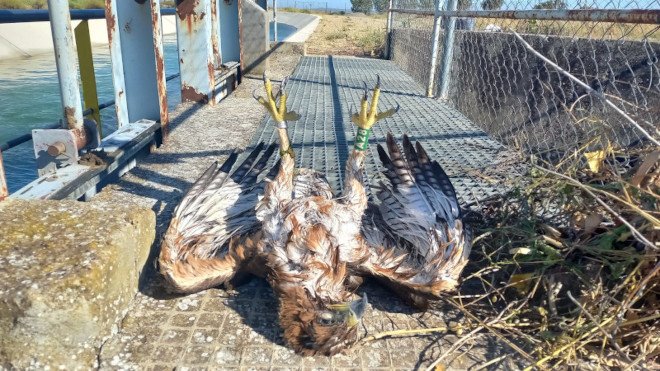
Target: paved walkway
point(324, 90)
point(220, 329)
point(305, 24)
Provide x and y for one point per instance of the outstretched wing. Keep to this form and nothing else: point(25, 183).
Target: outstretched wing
point(214, 230)
point(416, 236)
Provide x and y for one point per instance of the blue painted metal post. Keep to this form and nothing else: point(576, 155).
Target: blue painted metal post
point(133, 68)
point(159, 54)
point(447, 50)
point(65, 59)
point(117, 62)
point(196, 62)
point(231, 50)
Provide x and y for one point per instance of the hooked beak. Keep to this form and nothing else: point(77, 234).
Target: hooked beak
point(357, 309)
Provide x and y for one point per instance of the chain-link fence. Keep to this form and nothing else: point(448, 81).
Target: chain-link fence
point(524, 102)
point(574, 86)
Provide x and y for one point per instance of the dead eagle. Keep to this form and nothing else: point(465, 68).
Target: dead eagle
point(311, 246)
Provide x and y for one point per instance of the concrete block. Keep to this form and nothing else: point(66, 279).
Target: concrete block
point(69, 272)
point(254, 38)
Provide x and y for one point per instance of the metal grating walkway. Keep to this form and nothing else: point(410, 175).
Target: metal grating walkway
point(323, 90)
point(238, 329)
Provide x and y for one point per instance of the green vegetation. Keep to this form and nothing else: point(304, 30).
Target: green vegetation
point(492, 4)
point(371, 41)
point(551, 4)
point(43, 4)
point(23, 4)
point(362, 6)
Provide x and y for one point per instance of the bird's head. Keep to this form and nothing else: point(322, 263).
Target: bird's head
point(313, 327)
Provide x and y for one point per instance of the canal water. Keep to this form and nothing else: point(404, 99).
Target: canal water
point(283, 31)
point(30, 99)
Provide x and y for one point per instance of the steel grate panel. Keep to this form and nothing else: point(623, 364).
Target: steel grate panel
point(324, 90)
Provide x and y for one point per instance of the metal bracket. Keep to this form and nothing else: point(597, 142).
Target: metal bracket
point(57, 148)
point(53, 149)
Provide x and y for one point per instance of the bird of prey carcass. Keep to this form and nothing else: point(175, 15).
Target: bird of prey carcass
point(314, 247)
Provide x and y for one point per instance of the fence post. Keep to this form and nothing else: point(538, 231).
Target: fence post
point(447, 51)
point(388, 34)
point(275, 20)
point(65, 59)
point(434, 47)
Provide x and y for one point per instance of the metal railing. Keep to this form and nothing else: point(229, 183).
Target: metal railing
point(134, 34)
point(66, 69)
point(24, 138)
point(42, 15)
point(73, 132)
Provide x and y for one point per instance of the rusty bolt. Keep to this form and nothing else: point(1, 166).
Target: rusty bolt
point(56, 149)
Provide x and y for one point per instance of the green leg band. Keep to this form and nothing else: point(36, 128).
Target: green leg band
point(361, 139)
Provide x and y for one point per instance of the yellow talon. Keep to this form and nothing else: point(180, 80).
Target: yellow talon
point(368, 116)
point(280, 113)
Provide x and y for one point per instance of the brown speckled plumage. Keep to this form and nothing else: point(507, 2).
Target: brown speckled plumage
point(313, 247)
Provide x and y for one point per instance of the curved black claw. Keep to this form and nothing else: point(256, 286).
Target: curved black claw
point(377, 82)
point(397, 108)
point(255, 96)
point(366, 91)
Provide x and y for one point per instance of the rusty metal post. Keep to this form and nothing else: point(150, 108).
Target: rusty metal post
point(157, 27)
point(132, 53)
point(117, 62)
point(196, 61)
point(65, 59)
point(4, 191)
point(215, 35)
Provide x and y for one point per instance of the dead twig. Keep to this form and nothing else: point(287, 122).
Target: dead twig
point(607, 334)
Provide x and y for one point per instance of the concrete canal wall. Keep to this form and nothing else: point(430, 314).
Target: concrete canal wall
point(22, 40)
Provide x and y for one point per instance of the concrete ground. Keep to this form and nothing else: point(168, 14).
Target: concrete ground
point(305, 24)
point(221, 329)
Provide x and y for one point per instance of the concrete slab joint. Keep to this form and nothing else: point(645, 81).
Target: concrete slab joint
point(70, 271)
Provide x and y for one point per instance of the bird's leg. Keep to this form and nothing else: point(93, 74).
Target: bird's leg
point(281, 188)
point(279, 113)
point(365, 119)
